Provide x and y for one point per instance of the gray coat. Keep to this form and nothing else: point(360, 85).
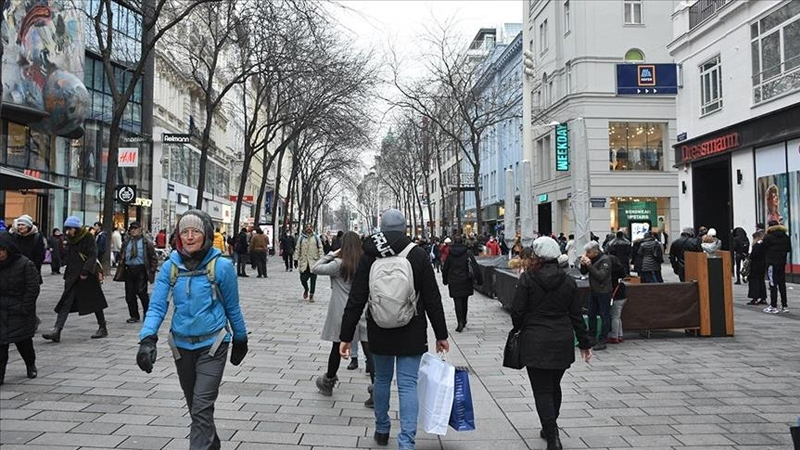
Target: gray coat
point(340, 290)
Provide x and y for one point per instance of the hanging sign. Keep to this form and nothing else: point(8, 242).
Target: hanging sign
point(562, 147)
point(125, 193)
point(128, 157)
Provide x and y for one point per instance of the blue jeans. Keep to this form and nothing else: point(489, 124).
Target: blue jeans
point(600, 304)
point(407, 373)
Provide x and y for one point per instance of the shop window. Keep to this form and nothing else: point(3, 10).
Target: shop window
point(636, 146)
point(775, 52)
point(711, 86)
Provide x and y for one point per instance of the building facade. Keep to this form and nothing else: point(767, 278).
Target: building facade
point(578, 52)
point(739, 153)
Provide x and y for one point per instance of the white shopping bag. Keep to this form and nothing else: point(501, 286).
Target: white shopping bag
point(435, 388)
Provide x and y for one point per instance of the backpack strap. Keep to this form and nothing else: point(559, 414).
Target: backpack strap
point(407, 250)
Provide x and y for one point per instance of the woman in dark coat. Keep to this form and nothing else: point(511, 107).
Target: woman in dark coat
point(456, 276)
point(740, 249)
point(82, 291)
point(547, 309)
point(57, 253)
point(19, 289)
point(756, 286)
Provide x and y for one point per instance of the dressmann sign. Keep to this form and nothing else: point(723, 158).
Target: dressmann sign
point(562, 147)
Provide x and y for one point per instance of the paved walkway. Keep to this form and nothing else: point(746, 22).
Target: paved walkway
point(667, 392)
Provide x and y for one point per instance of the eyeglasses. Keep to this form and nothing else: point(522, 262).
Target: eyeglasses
point(191, 232)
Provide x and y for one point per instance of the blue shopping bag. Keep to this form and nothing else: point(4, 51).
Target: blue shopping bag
point(462, 416)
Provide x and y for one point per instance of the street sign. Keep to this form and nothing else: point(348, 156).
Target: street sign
point(647, 79)
point(125, 193)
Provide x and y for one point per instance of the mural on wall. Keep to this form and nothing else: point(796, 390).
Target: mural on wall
point(43, 63)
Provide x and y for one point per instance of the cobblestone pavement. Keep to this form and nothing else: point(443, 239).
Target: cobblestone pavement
point(668, 392)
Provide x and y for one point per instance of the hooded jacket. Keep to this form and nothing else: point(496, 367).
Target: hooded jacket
point(548, 309)
point(651, 254)
point(621, 248)
point(19, 289)
point(30, 245)
point(455, 272)
point(82, 261)
point(219, 242)
point(711, 247)
point(777, 245)
point(409, 340)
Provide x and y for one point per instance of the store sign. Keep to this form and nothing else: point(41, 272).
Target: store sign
point(647, 79)
point(128, 157)
point(125, 193)
point(176, 138)
point(562, 147)
point(710, 147)
point(143, 202)
point(542, 198)
point(636, 212)
point(226, 214)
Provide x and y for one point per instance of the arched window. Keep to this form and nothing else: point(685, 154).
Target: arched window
point(634, 54)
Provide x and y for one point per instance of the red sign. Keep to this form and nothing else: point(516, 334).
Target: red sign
point(33, 173)
point(246, 198)
point(710, 147)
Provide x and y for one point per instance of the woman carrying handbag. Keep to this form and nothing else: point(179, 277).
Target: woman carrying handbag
point(547, 310)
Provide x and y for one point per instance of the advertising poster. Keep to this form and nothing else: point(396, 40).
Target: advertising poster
point(773, 198)
point(638, 230)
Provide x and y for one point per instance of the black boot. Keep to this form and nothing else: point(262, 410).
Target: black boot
point(54, 335)
point(550, 432)
point(32, 371)
point(102, 332)
point(353, 364)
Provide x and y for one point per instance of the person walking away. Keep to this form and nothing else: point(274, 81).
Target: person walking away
point(777, 245)
point(241, 247)
point(572, 251)
point(82, 291)
point(662, 238)
point(458, 274)
point(138, 263)
point(19, 289)
point(677, 251)
point(56, 244)
point(341, 266)
point(326, 243)
point(29, 241)
point(259, 247)
point(436, 254)
point(609, 237)
point(598, 266)
point(619, 296)
point(306, 254)
point(219, 241)
point(652, 256)
point(203, 306)
point(620, 247)
point(401, 347)
point(336, 244)
point(740, 250)
point(756, 285)
point(287, 250)
point(710, 243)
point(116, 246)
point(547, 310)
point(100, 239)
point(161, 239)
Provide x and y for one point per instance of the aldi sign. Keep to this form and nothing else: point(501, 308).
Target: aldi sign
point(647, 79)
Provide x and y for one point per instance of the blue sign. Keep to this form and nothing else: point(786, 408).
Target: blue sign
point(647, 79)
point(268, 202)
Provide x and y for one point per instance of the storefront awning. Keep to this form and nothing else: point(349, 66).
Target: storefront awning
point(11, 180)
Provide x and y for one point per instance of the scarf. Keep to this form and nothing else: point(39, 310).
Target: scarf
point(78, 236)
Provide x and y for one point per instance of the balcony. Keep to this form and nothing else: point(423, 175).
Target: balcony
point(703, 9)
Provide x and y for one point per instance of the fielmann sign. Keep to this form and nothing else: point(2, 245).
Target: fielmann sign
point(562, 147)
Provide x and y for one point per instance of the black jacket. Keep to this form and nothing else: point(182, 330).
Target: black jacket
point(741, 244)
point(652, 255)
point(241, 244)
point(621, 248)
point(31, 246)
point(777, 245)
point(82, 260)
point(19, 289)
point(758, 261)
point(599, 274)
point(411, 339)
point(287, 244)
point(547, 309)
point(455, 272)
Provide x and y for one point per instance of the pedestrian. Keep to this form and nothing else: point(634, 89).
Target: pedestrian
point(740, 250)
point(609, 237)
point(82, 291)
point(137, 266)
point(56, 244)
point(436, 254)
point(100, 239)
point(493, 247)
point(547, 311)
point(444, 249)
point(652, 257)
point(306, 253)
point(161, 239)
point(341, 266)
point(203, 306)
point(326, 243)
point(287, 250)
point(677, 251)
point(29, 241)
point(259, 248)
point(619, 296)
point(336, 244)
point(756, 285)
point(19, 289)
point(240, 247)
point(598, 266)
point(459, 273)
point(572, 251)
point(662, 238)
point(620, 247)
point(400, 347)
point(219, 241)
point(116, 246)
point(3, 226)
point(777, 245)
point(710, 243)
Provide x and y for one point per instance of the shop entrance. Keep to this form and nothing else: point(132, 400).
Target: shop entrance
point(545, 219)
point(713, 208)
point(30, 203)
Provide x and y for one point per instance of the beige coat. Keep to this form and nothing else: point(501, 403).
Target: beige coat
point(307, 251)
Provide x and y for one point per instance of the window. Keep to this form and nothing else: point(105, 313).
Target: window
point(710, 86)
point(634, 54)
point(566, 17)
point(775, 48)
point(636, 146)
point(550, 93)
point(546, 95)
point(633, 12)
point(543, 36)
point(569, 79)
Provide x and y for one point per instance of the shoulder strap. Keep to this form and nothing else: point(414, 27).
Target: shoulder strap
point(407, 250)
point(173, 274)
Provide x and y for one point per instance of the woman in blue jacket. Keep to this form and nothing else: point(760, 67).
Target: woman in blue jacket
point(205, 294)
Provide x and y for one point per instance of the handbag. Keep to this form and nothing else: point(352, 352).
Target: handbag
point(462, 414)
point(512, 356)
point(435, 387)
point(48, 257)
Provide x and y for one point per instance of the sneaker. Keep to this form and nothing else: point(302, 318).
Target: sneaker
point(612, 340)
point(771, 310)
point(785, 309)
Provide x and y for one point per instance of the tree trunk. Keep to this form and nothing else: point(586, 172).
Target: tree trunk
point(476, 174)
point(111, 182)
point(248, 157)
point(277, 195)
point(205, 143)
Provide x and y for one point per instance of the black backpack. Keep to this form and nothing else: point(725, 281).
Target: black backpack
point(617, 268)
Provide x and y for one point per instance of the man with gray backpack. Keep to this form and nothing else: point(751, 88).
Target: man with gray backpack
point(395, 278)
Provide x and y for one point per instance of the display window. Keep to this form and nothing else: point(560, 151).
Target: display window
point(636, 146)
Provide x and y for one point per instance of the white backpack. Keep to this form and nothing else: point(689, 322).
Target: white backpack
point(392, 297)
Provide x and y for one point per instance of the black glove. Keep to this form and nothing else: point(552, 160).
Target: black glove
point(147, 353)
point(238, 352)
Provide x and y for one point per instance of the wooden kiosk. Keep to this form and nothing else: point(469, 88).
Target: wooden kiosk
point(715, 289)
